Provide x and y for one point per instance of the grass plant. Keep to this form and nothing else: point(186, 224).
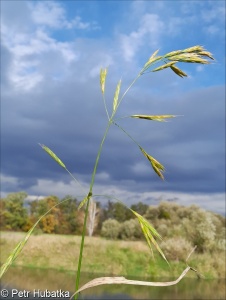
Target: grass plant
point(155, 63)
point(111, 257)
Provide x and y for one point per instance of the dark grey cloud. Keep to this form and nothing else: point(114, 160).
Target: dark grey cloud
point(5, 59)
point(64, 110)
point(70, 119)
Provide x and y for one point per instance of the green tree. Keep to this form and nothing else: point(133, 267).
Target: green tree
point(2, 214)
point(201, 230)
point(117, 211)
point(110, 229)
point(38, 208)
point(152, 214)
point(130, 230)
point(140, 207)
point(15, 215)
point(68, 216)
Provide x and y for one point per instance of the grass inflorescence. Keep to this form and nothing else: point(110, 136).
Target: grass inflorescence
point(196, 54)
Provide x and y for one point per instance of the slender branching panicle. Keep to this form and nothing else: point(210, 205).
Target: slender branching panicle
point(196, 54)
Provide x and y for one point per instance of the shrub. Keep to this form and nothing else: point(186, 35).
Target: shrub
point(201, 230)
point(163, 229)
point(176, 248)
point(110, 229)
point(130, 230)
point(221, 244)
point(152, 213)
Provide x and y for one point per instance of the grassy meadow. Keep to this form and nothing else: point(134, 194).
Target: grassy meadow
point(106, 257)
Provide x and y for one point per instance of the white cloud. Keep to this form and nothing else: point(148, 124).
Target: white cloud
point(105, 61)
point(38, 43)
point(215, 13)
point(29, 52)
point(199, 68)
point(103, 176)
point(27, 81)
point(34, 52)
point(37, 55)
point(30, 198)
point(53, 15)
point(212, 29)
point(214, 202)
point(50, 187)
point(49, 14)
point(77, 23)
point(211, 14)
point(150, 29)
point(175, 25)
point(8, 179)
point(9, 182)
point(140, 168)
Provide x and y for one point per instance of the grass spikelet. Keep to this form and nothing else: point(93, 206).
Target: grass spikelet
point(196, 54)
point(150, 233)
point(156, 165)
point(83, 202)
point(115, 101)
point(196, 48)
point(193, 49)
point(153, 55)
point(189, 58)
point(152, 58)
point(53, 155)
point(178, 71)
point(160, 118)
point(172, 53)
point(103, 74)
point(169, 64)
point(206, 53)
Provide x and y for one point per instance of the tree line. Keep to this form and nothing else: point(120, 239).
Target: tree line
point(17, 214)
point(190, 225)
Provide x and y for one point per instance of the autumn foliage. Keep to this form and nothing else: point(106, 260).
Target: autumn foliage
point(182, 227)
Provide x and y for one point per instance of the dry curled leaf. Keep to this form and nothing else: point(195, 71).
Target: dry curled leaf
point(123, 280)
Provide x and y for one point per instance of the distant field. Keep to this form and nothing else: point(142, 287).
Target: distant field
point(106, 257)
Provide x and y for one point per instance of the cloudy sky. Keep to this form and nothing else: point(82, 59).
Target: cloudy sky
point(51, 55)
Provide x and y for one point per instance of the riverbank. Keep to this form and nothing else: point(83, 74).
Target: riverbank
point(122, 258)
